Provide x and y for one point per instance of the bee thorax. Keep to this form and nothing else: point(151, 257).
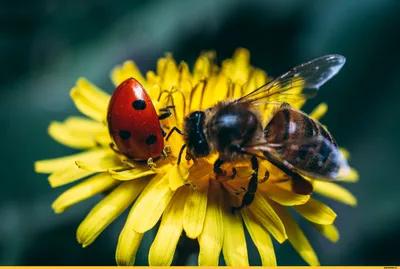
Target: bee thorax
point(230, 128)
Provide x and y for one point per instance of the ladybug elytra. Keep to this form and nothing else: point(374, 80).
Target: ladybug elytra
point(133, 122)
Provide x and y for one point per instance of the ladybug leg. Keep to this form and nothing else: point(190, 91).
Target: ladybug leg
point(151, 163)
point(112, 146)
point(167, 150)
point(167, 113)
point(166, 153)
point(174, 129)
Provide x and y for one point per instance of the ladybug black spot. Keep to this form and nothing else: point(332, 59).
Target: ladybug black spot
point(151, 139)
point(139, 104)
point(124, 134)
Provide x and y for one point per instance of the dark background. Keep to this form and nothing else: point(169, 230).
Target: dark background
point(46, 45)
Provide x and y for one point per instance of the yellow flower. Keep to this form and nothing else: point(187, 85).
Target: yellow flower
point(185, 198)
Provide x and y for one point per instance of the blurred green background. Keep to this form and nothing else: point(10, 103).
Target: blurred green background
point(46, 45)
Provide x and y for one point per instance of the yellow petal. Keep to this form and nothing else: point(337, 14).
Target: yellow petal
point(199, 169)
point(234, 246)
point(319, 111)
point(195, 212)
point(78, 140)
point(93, 93)
point(127, 70)
point(152, 203)
point(351, 176)
point(154, 85)
point(76, 123)
point(67, 175)
point(209, 89)
point(95, 130)
point(163, 248)
point(173, 96)
point(266, 215)
point(329, 231)
point(220, 91)
point(86, 107)
point(202, 68)
point(345, 152)
point(90, 100)
point(211, 238)
point(131, 174)
point(283, 196)
point(316, 212)
point(197, 96)
point(129, 240)
point(260, 237)
point(128, 245)
point(102, 163)
point(168, 71)
point(107, 210)
point(256, 79)
point(296, 236)
point(88, 188)
point(57, 164)
point(334, 191)
point(117, 75)
point(102, 138)
point(178, 176)
point(238, 68)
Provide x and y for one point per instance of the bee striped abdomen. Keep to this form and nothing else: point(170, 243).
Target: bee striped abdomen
point(302, 142)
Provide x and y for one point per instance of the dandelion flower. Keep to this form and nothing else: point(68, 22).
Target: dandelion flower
point(185, 199)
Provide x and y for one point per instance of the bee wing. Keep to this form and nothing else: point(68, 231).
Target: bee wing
point(300, 83)
point(323, 152)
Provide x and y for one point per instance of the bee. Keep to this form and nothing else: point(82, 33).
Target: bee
point(291, 140)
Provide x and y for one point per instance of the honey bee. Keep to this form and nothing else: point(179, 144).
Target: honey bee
point(291, 140)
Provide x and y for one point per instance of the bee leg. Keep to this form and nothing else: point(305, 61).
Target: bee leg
point(234, 172)
point(265, 178)
point(237, 192)
point(217, 168)
point(252, 187)
point(180, 154)
point(190, 184)
point(299, 184)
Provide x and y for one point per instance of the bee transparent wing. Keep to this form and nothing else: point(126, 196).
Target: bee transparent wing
point(315, 157)
point(300, 83)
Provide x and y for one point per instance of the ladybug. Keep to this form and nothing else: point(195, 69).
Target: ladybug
point(133, 123)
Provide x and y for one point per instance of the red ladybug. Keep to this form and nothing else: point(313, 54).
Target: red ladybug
point(133, 122)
